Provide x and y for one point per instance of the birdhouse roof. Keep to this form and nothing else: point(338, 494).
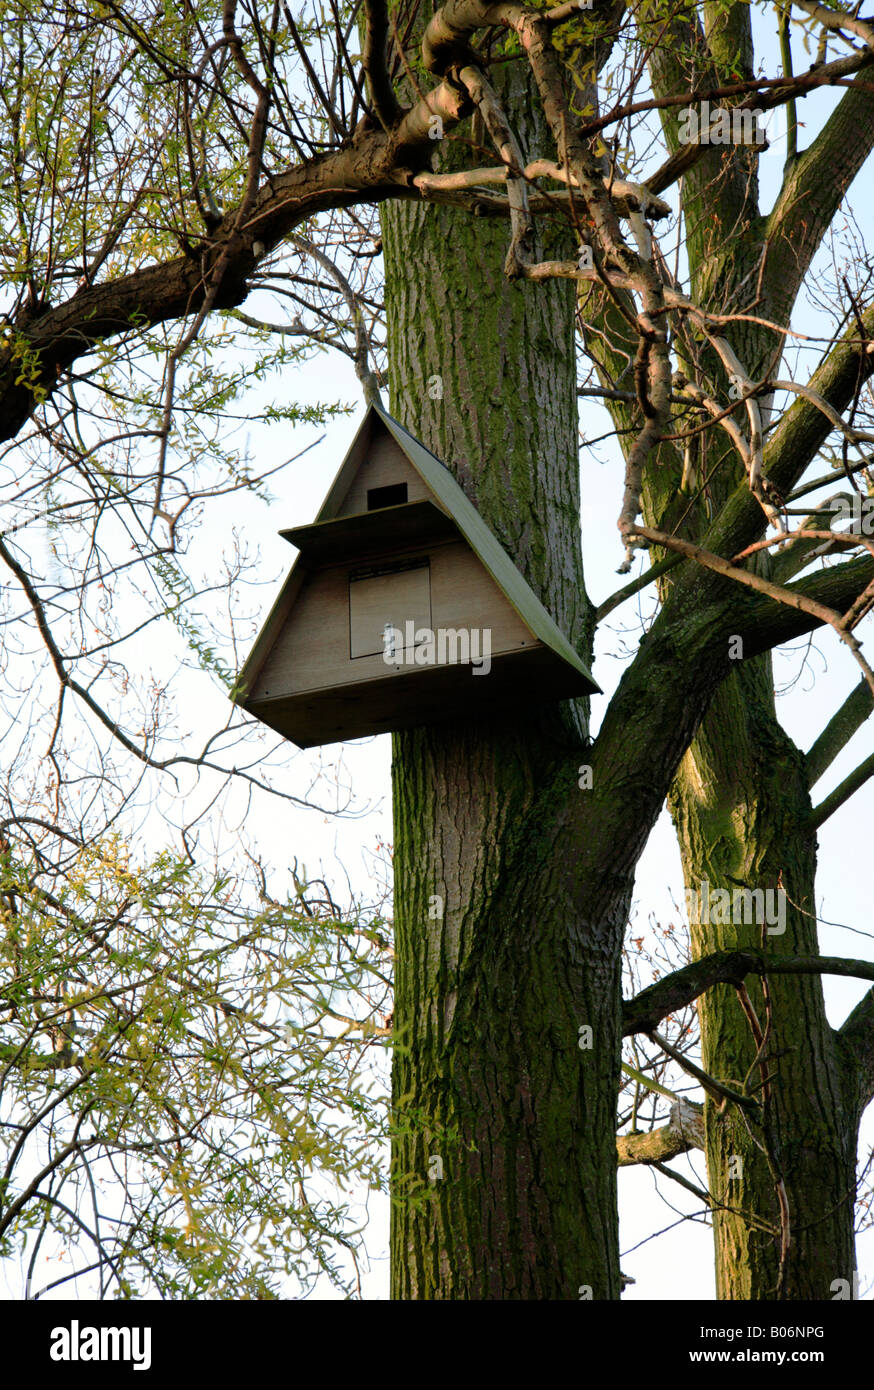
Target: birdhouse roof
point(327, 540)
point(484, 543)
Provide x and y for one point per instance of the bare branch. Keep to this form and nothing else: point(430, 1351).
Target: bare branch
point(628, 197)
point(842, 793)
point(485, 98)
point(373, 60)
point(839, 730)
point(361, 355)
point(838, 21)
point(857, 1036)
point(684, 1131)
point(643, 1013)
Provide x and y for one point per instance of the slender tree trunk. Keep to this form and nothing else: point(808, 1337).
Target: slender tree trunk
point(740, 805)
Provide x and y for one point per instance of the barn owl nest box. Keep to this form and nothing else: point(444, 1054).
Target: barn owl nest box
point(401, 608)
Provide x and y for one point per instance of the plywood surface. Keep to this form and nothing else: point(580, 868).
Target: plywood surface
point(312, 651)
point(393, 599)
point(385, 463)
point(410, 524)
point(422, 696)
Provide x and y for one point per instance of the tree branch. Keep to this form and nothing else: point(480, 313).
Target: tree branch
point(628, 197)
point(814, 186)
point(373, 60)
point(830, 479)
point(769, 624)
point(798, 437)
point(791, 597)
point(629, 590)
point(851, 784)
point(644, 1012)
point(485, 98)
point(373, 167)
point(361, 355)
point(838, 20)
point(857, 1036)
point(839, 730)
point(684, 1131)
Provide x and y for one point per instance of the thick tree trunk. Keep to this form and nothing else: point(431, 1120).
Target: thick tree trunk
point(504, 1165)
point(509, 919)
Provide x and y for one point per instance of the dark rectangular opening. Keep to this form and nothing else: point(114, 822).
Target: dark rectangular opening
point(391, 496)
point(418, 562)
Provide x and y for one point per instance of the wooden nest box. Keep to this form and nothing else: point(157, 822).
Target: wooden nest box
point(401, 609)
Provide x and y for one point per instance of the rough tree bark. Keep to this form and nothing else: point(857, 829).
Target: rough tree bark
point(741, 808)
point(481, 1165)
point(492, 993)
point(741, 802)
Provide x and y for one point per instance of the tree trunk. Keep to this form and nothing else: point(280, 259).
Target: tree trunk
point(504, 1163)
point(504, 1157)
point(740, 803)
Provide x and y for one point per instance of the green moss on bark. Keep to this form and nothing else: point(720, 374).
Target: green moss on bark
point(489, 1078)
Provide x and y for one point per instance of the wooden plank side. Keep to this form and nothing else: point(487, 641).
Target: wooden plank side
point(384, 463)
point(380, 599)
point(464, 595)
point(410, 524)
point(312, 652)
point(424, 695)
point(275, 624)
point(312, 649)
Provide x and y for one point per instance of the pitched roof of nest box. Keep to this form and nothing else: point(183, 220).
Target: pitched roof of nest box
point(398, 546)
